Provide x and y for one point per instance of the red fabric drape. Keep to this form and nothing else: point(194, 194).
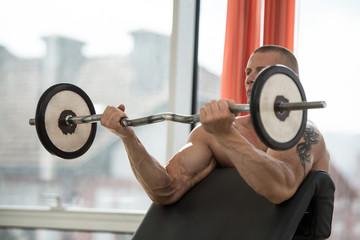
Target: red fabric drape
point(242, 37)
point(279, 20)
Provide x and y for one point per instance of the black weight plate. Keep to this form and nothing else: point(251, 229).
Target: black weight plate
point(64, 141)
point(278, 131)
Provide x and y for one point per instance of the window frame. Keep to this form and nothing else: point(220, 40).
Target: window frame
point(183, 63)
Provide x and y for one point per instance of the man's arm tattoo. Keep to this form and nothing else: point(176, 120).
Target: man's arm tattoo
point(303, 149)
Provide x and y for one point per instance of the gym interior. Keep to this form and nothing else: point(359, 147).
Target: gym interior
point(158, 56)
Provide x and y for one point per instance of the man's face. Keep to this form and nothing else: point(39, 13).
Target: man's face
point(256, 63)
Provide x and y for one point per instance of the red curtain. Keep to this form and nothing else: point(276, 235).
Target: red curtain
point(242, 37)
point(279, 21)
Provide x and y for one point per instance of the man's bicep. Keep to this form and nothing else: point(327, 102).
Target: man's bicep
point(193, 162)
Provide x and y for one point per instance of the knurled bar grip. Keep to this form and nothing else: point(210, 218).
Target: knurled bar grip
point(236, 108)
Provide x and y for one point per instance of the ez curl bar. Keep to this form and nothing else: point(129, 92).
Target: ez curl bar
point(65, 118)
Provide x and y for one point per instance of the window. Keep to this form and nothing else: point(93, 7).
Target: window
point(117, 52)
point(326, 39)
point(327, 36)
point(212, 26)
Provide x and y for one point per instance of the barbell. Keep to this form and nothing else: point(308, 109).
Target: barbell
point(65, 118)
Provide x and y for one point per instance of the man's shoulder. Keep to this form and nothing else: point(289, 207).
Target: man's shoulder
point(312, 131)
point(199, 132)
point(313, 137)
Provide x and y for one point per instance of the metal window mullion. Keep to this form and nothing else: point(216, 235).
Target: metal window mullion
point(181, 71)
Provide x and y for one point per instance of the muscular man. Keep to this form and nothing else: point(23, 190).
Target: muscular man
point(223, 140)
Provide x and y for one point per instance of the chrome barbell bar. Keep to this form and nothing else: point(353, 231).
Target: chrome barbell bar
point(190, 119)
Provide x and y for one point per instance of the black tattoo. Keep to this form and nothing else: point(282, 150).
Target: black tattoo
point(303, 149)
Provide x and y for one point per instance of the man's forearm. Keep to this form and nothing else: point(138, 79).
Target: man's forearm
point(268, 176)
point(148, 171)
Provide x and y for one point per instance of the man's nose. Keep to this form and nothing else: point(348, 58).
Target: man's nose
point(250, 81)
point(251, 78)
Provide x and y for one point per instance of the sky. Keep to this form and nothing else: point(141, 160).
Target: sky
point(327, 36)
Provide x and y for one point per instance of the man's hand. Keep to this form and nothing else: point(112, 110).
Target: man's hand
point(216, 117)
point(111, 120)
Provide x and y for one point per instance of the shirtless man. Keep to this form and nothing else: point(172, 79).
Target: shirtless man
point(224, 140)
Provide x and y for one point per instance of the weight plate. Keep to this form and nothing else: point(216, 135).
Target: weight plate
point(278, 130)
point(60, 139)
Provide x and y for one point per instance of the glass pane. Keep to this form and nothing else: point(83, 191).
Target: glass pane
point(327, 49)
point(117, 52)
point(211, 49)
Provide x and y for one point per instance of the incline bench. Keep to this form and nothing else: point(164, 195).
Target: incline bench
point(223, 207)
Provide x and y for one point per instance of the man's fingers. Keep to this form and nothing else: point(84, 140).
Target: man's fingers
point(112, 116)
point(230, 101)
point(223, 105)
point(121, 107)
